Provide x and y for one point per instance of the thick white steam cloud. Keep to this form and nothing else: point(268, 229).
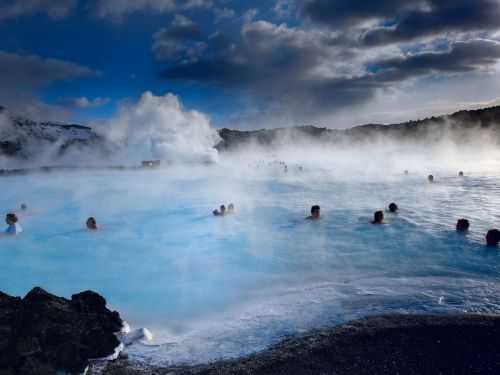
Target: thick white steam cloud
point(158, 127)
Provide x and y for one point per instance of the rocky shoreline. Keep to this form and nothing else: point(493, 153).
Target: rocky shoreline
point(42, 334)
point(383, 345)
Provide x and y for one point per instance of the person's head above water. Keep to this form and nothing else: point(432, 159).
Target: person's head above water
point(222, 209)
point(430, 178)
point(463, 225)
point(315, 212)
point(91, 223)
point(378, 217)
point(24, 207)
point(11, 219)
point(230, 207)
point(460, 174)
point(393, 207)
point(493, 237)
point(406, 172)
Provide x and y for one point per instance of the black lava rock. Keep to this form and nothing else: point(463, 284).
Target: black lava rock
point(42, 333)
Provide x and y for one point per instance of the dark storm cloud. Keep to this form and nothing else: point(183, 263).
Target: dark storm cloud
point(462, 57)
point(22, 76)
point(32, 71)
point(267, 58)
point(401, 21)
point(306, 70)
point(181, 36)
point(340, 13)
point(120, 8)
point(443, 16)
point(53, 8)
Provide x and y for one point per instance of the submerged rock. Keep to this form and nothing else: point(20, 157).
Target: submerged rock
point(42, 334)
point(384, 345)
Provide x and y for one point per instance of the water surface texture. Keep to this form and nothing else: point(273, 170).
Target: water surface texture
point(212, 287)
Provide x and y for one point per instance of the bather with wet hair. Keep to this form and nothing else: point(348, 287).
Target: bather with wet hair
point(92, 224)
point(462, 225)
point(378, 217)
point(315, 213)
point(13, 228)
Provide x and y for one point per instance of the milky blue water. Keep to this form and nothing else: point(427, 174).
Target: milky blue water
point(212, 287)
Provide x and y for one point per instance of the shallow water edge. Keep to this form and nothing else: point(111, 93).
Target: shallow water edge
point(387, 344)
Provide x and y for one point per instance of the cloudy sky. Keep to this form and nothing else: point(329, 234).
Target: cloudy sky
point(251, 64)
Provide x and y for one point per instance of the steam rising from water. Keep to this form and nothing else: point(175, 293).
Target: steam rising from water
point(158, 127)
point(212, 287)
point(216, 287)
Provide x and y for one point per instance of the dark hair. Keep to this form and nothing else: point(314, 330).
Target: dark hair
point(461, 173)
point(12, 217)
point(24, 206)
point(378, 216)
point(393, 207)
point(315, 208)
point(430, 177)
point(493, 237)
point(462, 225)
point(92, 221)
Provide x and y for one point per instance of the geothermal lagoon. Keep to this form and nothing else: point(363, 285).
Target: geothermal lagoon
point(221, 287)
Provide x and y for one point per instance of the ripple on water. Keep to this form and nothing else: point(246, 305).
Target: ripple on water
point(220, 287)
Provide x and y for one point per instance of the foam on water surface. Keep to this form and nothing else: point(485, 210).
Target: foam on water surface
point(212, 287)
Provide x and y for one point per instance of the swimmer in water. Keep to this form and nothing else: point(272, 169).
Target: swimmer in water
point(24, 207)
point(406, 172)
point(315, 213)
point(493, 237)
point(460, 174)
point(14, 228)
point(91, 224)
point(393, 208)
point(230, 208)
point(463, 225)
point(430, 178)
point(378, 217)
point(220, 212)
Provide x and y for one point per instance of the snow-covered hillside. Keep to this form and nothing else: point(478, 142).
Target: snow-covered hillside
point(15, 127)
point(24, 138)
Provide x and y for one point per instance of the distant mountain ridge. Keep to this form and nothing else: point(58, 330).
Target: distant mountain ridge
point(27, 139)
point(458, 127)
point(24, 138)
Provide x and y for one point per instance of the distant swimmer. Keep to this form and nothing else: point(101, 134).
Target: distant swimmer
point(92, 224)
point(378, 217)
point(230, 208)
point(460, 174)
point(430, 178)
point(462, 225)
point(315, 213)
point(220, 212)
point(24, 207)
point(493, 237)
point(393, 208)
point(406, 172)
point(14, 228)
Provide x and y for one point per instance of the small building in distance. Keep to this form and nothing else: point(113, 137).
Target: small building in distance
point(151, 163)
